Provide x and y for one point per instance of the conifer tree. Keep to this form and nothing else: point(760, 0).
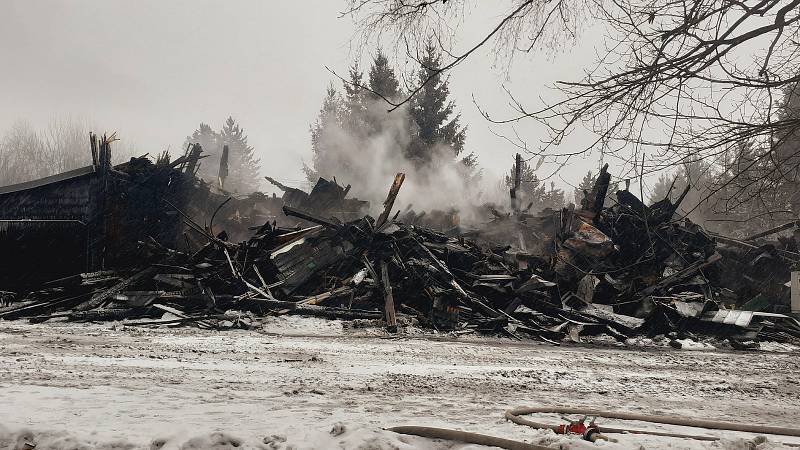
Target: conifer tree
point(382, 78)
point(426, 132)
point(326, 158)
point(243, 166)
point(433, 114)
point(354, 107)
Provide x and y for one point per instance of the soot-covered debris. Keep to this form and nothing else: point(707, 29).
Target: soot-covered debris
point(626, 270)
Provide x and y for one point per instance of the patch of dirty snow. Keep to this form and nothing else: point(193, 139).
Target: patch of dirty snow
point(688, 344)
point(778, 347)
point(301, 325)
point(640, 341)
point(316, 326)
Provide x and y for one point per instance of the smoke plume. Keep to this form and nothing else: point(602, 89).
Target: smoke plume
point(369, 161)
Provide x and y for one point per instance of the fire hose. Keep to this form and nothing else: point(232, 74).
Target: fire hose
point(464, 436)
point(591, 431)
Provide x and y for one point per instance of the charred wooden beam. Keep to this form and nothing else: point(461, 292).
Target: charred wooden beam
point(598, 195)
point(387, 205)
point(289, 211)
point(391, 318)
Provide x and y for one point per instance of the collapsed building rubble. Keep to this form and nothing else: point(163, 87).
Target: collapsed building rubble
point(93, 216)
point(327, 198)
point(624, 271)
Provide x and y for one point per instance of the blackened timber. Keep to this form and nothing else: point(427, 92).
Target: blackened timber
point(680, 275)
point(17, 311)
point(628, 199)
point(517, 180)
point(107, 294)
point(192, 157)
point(278, 184)
point(663, 210)
point(391, 318)
point(599, 191)
point(297, 262)
point(105, 314)
point(289, 211)
point(387, 205)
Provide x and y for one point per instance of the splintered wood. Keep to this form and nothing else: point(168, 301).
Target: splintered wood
point(389, 203)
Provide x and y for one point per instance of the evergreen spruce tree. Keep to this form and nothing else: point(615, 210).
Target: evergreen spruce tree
point(358, 120)
point(243, 165)
point(354, 108)
point(382, 79)
point(326, 158)
point(433, 113)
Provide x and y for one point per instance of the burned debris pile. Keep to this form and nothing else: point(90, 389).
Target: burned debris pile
point(622, 271)
point(327, 198)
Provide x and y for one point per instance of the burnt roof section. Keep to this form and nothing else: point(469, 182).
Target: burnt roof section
point(52, 179)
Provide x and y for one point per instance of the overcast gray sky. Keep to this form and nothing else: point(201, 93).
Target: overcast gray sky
point(154, 69)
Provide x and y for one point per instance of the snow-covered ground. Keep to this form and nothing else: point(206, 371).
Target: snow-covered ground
point(310, 384)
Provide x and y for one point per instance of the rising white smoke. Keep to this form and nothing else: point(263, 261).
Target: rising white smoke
point(369, 163)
